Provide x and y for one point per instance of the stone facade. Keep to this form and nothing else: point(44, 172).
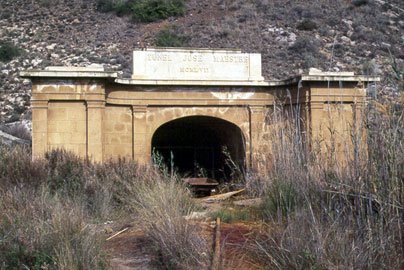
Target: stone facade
point(99, 116)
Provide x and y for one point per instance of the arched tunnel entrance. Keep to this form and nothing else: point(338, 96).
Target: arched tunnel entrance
point(201, 146)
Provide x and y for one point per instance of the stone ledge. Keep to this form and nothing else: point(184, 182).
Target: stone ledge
point(76, 69)
point(97, 72)
point(325, 77)
point(191, 82)
point(290, 81)
point(69, 72)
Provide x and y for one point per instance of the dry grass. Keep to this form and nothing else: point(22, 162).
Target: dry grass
point(328, 213)
point(42, 231)
point(161, 207)
point(50, 210)
point(18, 130)
point(333, 213)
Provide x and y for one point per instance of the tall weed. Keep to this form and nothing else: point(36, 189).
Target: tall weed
point(49, 210)
point(161, 206)
point(41, 231)
point(337, 211)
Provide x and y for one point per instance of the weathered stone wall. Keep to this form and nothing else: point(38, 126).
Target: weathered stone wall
point(68, 113)
point(335, 118)
point(118, 132)
point(67, 126)
point(153, 106)
point(98, 118)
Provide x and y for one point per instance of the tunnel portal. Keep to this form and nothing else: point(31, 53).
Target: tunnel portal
point(201, 146)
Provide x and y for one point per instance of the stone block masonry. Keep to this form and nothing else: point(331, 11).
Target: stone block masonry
point(188, 102)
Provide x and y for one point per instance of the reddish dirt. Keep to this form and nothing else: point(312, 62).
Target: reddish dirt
point(235, 238)
point(128, 251)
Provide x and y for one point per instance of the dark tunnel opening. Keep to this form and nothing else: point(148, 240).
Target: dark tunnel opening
point(201, 146)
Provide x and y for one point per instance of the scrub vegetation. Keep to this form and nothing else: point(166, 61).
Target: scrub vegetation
point(8, 51)
point(331, 214)
point(322, 214)
point(52, 211)
point(144, 10)
point(315, 212)
point(170, 38)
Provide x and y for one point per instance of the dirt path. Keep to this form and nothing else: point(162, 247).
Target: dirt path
point(128, 251)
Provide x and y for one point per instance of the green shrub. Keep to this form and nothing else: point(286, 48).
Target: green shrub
point(307, 25)
point(227, 215)
point(280, 200)
point(309, 60)
point(143, 10)
point(8, 51)
point(304, 44)
point(17, 168)
point(120, 7)
point(154, 10)
point(65, 172)
point(358, 3)
point(46, 3)
point(169, 38)
point(18, 255)
point(105, 5)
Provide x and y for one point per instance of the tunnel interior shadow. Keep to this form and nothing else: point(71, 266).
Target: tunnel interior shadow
point(201, 146)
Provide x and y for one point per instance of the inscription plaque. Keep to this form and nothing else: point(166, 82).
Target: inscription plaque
point(196, 64)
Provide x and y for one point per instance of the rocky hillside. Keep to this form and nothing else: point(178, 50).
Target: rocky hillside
point(365, 36)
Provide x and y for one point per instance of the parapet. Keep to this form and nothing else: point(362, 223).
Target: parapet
point(196, 65)
point(203, 67)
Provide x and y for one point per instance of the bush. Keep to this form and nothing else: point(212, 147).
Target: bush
point(120, 7)
point(8, 51)
point(304, 44)
point(358, 3)
point(105, 5)
point(17, 168)
point(227, 215)
point(66, 173)
point(154, 10)
point(49, 208)
point(169, 38)
point(161, 207)
point(143, 10)
point(280, 200)
point(41, 231)
point(120, 180)
point(307, 25)
point(309, 60)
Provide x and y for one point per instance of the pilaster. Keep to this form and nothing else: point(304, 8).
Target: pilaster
point(257, 130)
point(141, 142)
point(39, 128)
point(95, 113)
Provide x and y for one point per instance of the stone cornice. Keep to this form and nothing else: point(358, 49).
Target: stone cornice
point(69, 72)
